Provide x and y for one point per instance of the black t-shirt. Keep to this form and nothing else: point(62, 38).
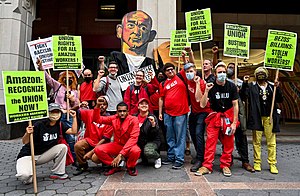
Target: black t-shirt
point(44, 137)
point(221, 97)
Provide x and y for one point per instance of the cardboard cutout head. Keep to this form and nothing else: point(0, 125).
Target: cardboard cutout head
point(135, 33)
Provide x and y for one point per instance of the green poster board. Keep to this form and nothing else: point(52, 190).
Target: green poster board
point(178, 42)
point(25, 95)
point(280, 50)
point(67, 52)
point(236, 40)
point(198, 25)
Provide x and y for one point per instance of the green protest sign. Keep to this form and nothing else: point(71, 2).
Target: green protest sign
point(198, 25)
point(236, 40)
point(280, 50)
point(67, 52)
point(178, 42)
point(25, 95)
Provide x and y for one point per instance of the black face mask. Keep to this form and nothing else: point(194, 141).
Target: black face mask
point(70, 82)
point(230, 72)
point(261, 77)
point(88, 79)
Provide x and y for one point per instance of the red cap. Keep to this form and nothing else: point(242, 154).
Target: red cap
point(143, 99)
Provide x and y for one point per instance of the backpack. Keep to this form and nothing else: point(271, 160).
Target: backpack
point(104, 90)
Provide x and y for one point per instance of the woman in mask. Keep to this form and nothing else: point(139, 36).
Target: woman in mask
point(46, 133)
point(85, 89)
point(61, 96)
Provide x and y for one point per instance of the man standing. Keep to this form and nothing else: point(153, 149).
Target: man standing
point(93, 136)
point(198, 114)
point(260, 95)
point(174, 99)
point(109, 86)
point(85, 89)
point(222, 122)
point(126, 131)
point(135, 34)
point(241, 142)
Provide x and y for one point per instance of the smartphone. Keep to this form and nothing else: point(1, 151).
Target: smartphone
point(228, 131)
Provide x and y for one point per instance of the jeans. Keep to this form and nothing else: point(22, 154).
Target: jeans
point(176, 136)
point(197, 129)
point(70, 138)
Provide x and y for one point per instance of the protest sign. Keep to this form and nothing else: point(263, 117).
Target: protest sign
point(25, 95)
point(67, 52)
point(41, 48)
point(178, 42)
point(236, 40)
point(280, 50)
point(198, 25)
point(127, 79)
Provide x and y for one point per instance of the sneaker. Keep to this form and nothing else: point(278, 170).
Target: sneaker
point(112, 171)
point(273, 169)
point(157, 163)
point(132, 171)
point(202, 171)
point(226, 171)
point(196, 166)
point(59, 176)
point(177, 165)
point(257, 167)
point(248, 167)
point(80, 169)
point(166, 162)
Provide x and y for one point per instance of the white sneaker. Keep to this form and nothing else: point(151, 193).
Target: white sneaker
point(157, 163)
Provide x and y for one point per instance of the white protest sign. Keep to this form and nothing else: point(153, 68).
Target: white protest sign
point(127, 79)
point(41, 48)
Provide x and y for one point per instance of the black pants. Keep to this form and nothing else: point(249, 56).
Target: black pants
point(241, 144)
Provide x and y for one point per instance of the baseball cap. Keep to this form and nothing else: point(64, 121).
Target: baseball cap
point(106, 98)
point(167, 65)
point(188, 65)
point(143, 99)
point(53, 106)
point(221, 64)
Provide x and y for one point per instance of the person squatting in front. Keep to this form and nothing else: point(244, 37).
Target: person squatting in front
point(149, 139)
point(46, 133)
point(93, 136)
point(222, 122)
point(126, 131)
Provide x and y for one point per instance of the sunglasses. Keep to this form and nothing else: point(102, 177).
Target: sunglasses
point(122, 110)
point(170, 69)
point(222, 72)
point(87, 75)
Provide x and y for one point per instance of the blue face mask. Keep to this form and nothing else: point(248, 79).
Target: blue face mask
point(221, 77)
point(190, 75)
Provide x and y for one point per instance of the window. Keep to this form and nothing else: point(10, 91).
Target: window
point(112, 9)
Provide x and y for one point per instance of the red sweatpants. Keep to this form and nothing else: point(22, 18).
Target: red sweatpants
point(107, 152)
point(213, 133)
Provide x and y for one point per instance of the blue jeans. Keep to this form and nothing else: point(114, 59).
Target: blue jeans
point(197, 129)
point(176, 136)
point(70, 138)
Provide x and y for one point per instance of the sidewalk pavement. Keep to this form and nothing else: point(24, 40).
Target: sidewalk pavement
point(164, 181)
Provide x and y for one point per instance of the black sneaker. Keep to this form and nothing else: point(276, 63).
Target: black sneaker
point(80, 169)
point(166, 162)
point(196, 166)
point(177, 165)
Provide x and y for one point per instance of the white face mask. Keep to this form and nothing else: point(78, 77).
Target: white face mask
point(221, 77)
point(54, 116)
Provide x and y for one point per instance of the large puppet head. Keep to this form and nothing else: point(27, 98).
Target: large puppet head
point(135, 33)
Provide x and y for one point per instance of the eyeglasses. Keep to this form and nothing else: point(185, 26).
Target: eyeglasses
point(221, 71)
point(170, 69)
point(122, 111)
point(113, 67)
